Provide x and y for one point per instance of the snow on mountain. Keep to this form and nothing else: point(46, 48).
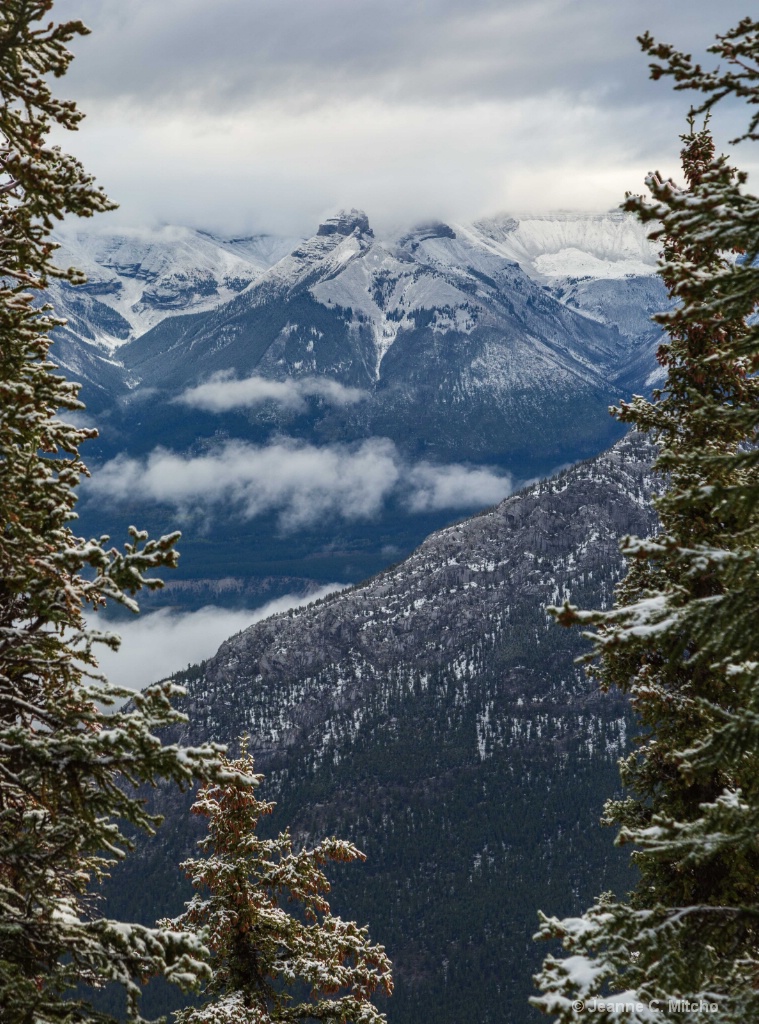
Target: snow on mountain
point(600, 265)
point(337, 243)
point(491, 311)
point(435, 716)
point(144, 275)
point(454, 271)
point(372, 292)
point(551, 542)
point(609, 245)
point(384, 282)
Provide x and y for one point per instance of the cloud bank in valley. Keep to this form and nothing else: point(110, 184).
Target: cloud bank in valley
point(302, 483)
point(159, 643)
point(223, 393)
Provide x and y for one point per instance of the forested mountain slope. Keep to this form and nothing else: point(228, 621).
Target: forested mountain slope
point(435, 716)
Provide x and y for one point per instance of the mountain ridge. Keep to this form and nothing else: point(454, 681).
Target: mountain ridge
point(434, 715)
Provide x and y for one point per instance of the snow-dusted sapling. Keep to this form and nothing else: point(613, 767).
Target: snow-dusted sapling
point(277, 952)
point(682, 639)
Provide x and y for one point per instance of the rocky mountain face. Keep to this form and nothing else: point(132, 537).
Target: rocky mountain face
point(435, 716)
point(143, 276)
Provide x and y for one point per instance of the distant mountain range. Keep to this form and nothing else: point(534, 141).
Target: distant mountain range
point(462, 280)
point(472, 355)
point(434, 715)
point(145, 275)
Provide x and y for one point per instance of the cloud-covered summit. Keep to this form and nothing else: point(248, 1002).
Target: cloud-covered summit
point(264, 115)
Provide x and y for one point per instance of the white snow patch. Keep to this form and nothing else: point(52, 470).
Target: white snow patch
point(607, 245)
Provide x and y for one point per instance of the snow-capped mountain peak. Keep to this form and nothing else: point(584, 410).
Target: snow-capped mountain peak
point(138, 277)
point(144, 275)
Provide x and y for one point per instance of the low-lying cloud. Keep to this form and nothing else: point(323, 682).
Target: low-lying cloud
point(302, 483)
point(434, 488)
point(223, 393)
point(159, 643)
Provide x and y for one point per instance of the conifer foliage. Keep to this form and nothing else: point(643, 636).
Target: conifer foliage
point(271, 962)
point(682, 638)
point(68, 770)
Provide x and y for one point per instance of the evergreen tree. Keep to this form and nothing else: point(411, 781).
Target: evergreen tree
point(68, 769)
point(682, 638)
point(270, 963)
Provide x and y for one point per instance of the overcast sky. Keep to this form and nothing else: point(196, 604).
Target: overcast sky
point(241, 115)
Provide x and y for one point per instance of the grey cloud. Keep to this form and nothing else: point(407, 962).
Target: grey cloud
point(232, 52)
point(302, 483)
point(249, 115)
point(221, 393)
point(402, 165)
